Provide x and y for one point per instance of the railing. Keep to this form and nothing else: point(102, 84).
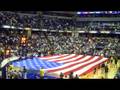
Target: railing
point(10, 59)
point(7, 60)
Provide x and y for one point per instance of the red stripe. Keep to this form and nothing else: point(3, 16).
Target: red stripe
point(55, 58)
point(70, 65)
point(58, 57)
point(92, 68)
point(74, 60)
point(76, 69)
point(49, 56)
point(66, 59)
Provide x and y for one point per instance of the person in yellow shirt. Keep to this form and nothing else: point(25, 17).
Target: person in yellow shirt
point(10, 68)
point(42, 72)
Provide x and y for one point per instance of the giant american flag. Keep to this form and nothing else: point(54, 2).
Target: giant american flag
point(79, 64)
point(65, 63)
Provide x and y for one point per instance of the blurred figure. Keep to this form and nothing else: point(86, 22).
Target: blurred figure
point(61, 75)
point(42, 73)
point(106, 72)
point(71, 75)
point(76, 77)
point(24, 73)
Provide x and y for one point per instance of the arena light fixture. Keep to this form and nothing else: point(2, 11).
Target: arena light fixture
point(6, 26)
point(78, 12)
point(81, 31)
point(35, 29)
point(85, 12)
point(91, 12)
point(44, 29)
point(97, 12)
point(118, 12)
point(110, 12)
point(53, 30)
point(27, 28)
point(19, 28)
point(69, 31)
point(12, 27)
point(92, 31)
point(117, 32)
point(107, 32)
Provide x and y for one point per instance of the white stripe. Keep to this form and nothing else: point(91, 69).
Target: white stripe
point(77, 66)
point(67, 57)
point(42, 63)
point(89, 66)
point(18, 64)
point(52, 57)
point(49, 57)
point(31, 64)
point(24, 63)
point(68, 64)
point(70, 59)
point(36, 62)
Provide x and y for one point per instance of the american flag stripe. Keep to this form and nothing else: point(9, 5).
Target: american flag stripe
point(66, 59)
point(68, 64)
point(87, 68)
point(54, 57)
point(63, 58)
point(74, 65)
point(84, 70)
point(35, 64)
point(30, 64)
point(73, 59)
point(79, 64)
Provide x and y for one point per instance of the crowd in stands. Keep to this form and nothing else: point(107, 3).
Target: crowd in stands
point(60, 44)
point(78, 45)
point(53, 23)
point(33, 21)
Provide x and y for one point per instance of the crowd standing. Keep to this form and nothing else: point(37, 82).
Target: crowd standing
point(61, 44)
